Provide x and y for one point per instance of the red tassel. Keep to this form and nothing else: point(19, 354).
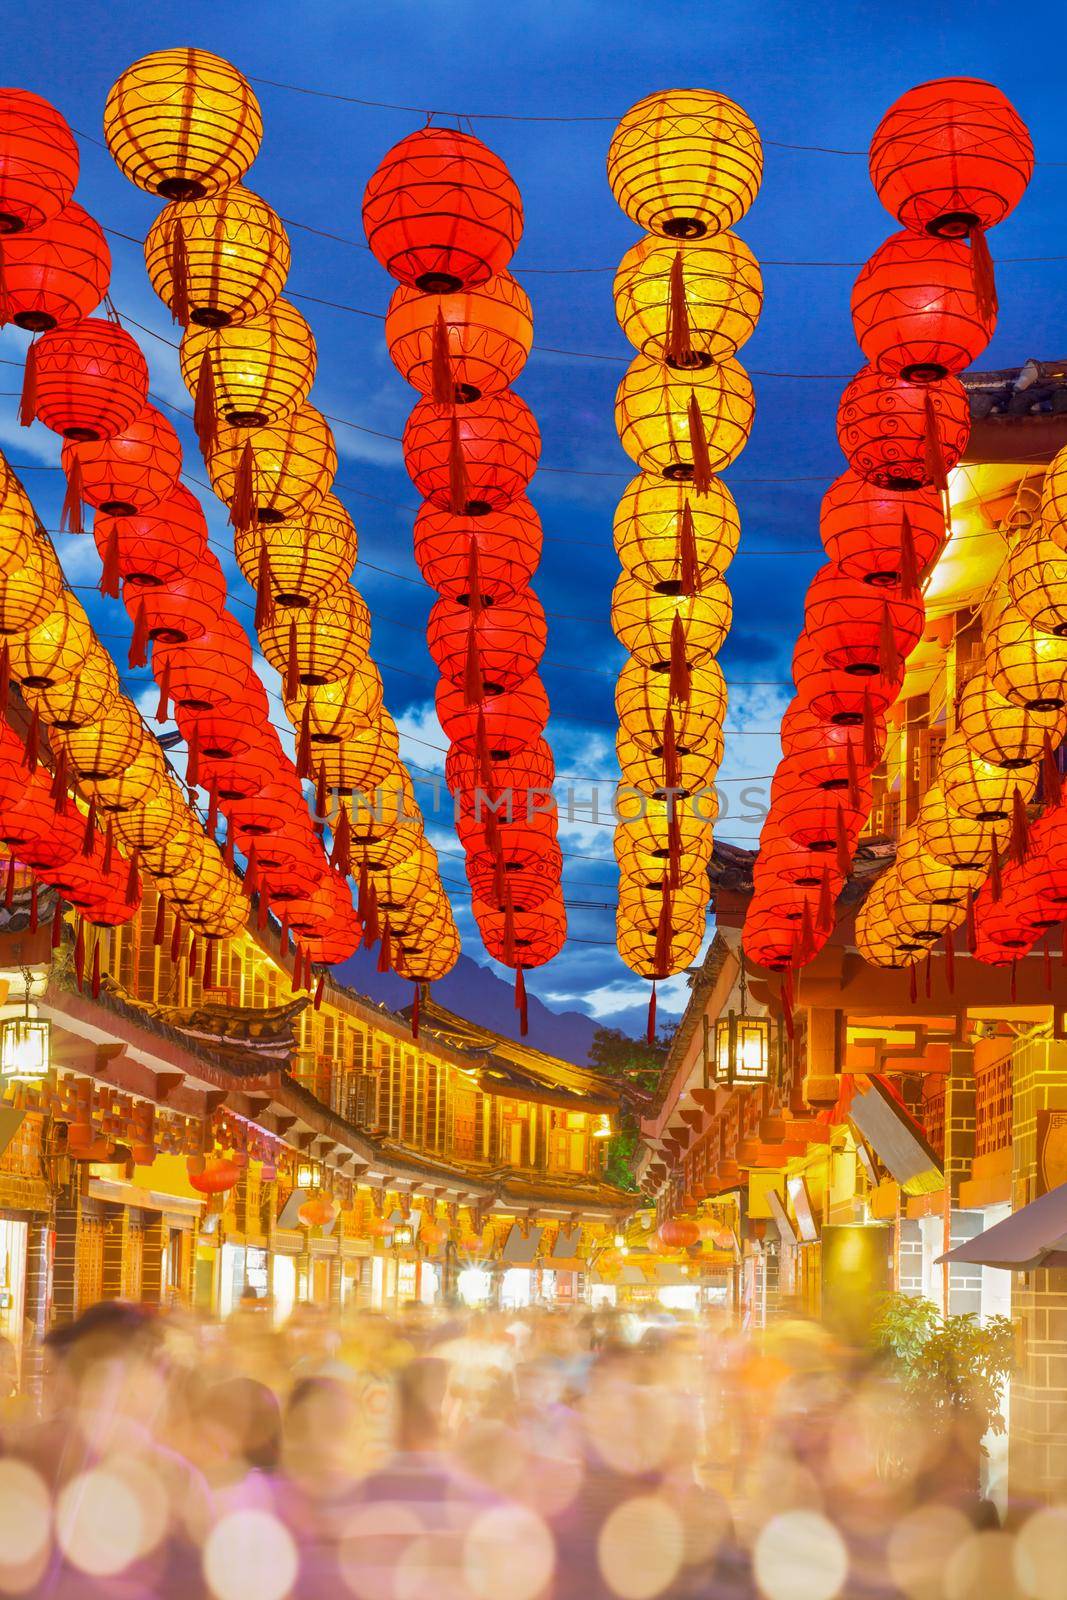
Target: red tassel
point(385, 961)
point(251, 870)
point(262, 915)
point(243, 505)
point(163, 707)
point(650, 1030)
point(688, 566)
point(33, 906)
point(319, 990)
point(96, 968)
point(191, 960)
point(806, 946)
point(1014, 985)
point(950, 961)
point(1051, 778)
point(854, 796)
point(292, 666)
point(674, 843)
point(33, 738)
point(9, 887)
point(211, 826)
point(133, 881)
point(481, 751)
point(698, 445)
point(787, 991)
point(70, 516)
point(178, 264)
point(79, 953)
point(57, 925)
point(913, 985)
point(844, 848)
point(664, 935)
point(341, 854)
point(458, 491)
point(138, 656)
point(176, 939)
point(205, 411)
point(928, 974)
point(985, 283)
point(474, 580)
point(443, 388)
point(109, 849)
point(159, 928)
point(933, 459)
point(372, 926)
point(670, 752)
point(970, 924)
point(909, 565)
point(28, 400)
point(361, 893)
point(192, 758)
point(827, 913)
point(60, 780)
point(500, 882)
point(473, 687)
point(264, 617)
point(303, 743)
point(1020, 826)
point(508, 952)
point(995, 886)
point(208, 978)
point(109, 571)
point(680, 677)
point(888, 654)
point(283, 934)
point(415, 1013)
point(320, 796)
point(521, 1004)
point(678, 348)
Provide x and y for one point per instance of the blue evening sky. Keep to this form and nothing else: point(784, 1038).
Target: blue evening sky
point(808, 75)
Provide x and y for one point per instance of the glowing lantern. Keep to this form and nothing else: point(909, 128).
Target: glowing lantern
point(510, 789)
point(319, 1212)
point(29, 591)
point(684, 426)
point(38, 161)
point(506, 548)
point(862, 527)
point(1003, 733)
point(497, 726)
point(923, 877)
point(715, 282)
point(522, 861)
point(182, 123)
point(84, 697)
point(837, 695)
point(105, 748)
point(893, 432)
point(55, 649)
point(780, 860)
point(202, 673)
point(337, 710)
point(678, 1233)
point(291, 466)
point(500, 644)
point(256, 370)
point(879, 942)
point(219, 260)
point(483, 333)
point(916, 310)
point(130, 787)
point(848, 622)
point(641, 902)
point(428, 954)
point(158, 547)
point(648, 955)
point(961, 842)
point(815, 815)
point(90, 380)
point(654, 834)
point(921, 921)
point(975, 788)
point(185, 609)
point(441, 211)
point(474, 458)
point(671, 539)
point(158, 820)
point(1027, 667)
point(217, 1177)
point(536, 936)
point(320, 643)
point(362, 761)
point(951, 155)
point(685, 163)
point(1037, 582)
point(669, 631)
point(132, 471)
point(692, 772)
point(643, 698)
point(306, 558)
point(57, 274)
point(826, 752)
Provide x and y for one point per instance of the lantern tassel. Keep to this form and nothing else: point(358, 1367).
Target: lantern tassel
point(933, 457)
point(320, 797)
point(79, 953)
point(1020, 826)
point(371, 927)
point(385, 960)
point(909, 563)
point(950, 961)
point(844, 849)
point(243, 504)
point(264, 616)
point(871, 752)
point(163, 706)
point(807, 945)
point(458, 492)
point(159, 927)
point(192, 760)
point(674, 843)
point(415, 1011)
point(680, 677)
point(854, 796)
point(827, 914)
point(180, 309)
point(473, 687)
point(670, 752)
point(176, 939)
point(888, 654)
point(303, 744)
point(292, 665)
point(341, 854)
point(70, 517)
point(688, 564)
point(474, 579)
point(443, 388)
point(664, 933)
point(678, 343)
point(1051, 778)
point(205, 410)
point(985, 282)
point(138, 653)
point(96, 968)
point(208, 978)
point(508, 950)
point(320, 988)
point(521, 1003)
point(996, 887)
point(28, 398)
point(970, 924)
point(57, 925)
point(698, 445)
point(109, 568)
point(58, 790)
point(9, 886)
point(251, 869)
point(481, 751)
point(33, 738)
point(650, 1028)
point(787, 993)
point(89, 835)
point(361, 894)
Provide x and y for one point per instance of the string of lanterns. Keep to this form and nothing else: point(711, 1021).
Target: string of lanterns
point(186, 124)
point(443, 216)
point(685, 165)
point(948, 160)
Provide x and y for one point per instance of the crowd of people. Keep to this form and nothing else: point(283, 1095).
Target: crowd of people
point(458, 1455)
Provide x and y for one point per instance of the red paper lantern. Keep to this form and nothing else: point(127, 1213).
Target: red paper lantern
point(535, 936)
point(91, 380)
point(510, 787)
point(519, 859)
point(678, 1233)
point(506, 549)
point(205, 672)
point(951, 155)
point(855, 627)
point(862, 528)
point(157, 547)
point(780, 860)
point(185, 610)
point(318, 1212)
point(240, 774)
point(57, 274)
point(915, 310)
point(815, 817)
point(472, 459)
point(131, 472)
point(441, 211)
point(839, 696)
point(216, 1178)
point(508, 722)
point(38, 161)
point(499, 646)
point(822, 747)
point(891, 431)
point(483, 334)
point(267, 812)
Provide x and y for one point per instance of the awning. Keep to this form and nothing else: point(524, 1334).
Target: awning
point(896, 1140)
point(1034, 1236)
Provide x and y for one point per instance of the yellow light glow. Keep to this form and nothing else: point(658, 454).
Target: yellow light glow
point(799, 1555)
point(640, 1547)
point(25, 1048)
point(250, 1553)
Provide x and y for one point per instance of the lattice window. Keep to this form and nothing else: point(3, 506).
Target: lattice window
point(993, 1106)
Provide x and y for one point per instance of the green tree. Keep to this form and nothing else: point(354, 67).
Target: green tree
point(636, 1062)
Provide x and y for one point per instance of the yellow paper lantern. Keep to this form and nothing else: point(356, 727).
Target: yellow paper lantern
point(650, 831)
point(647, 623)
point(182, 123)
point(923, 877)
point(670, 422)
point(878, 942)
point(29, 591)
point(641, 903)
point(54, 650)
point(949, 836)
point(975, 788)
point(722, 295)
point(259, 369)
point(164, 858)
point(643, 698)
point(159, 819)
point(1003, 733)
point(654, 521)
point(103, 748)
point(921, 921)
point(685, 163)
point(219, 260)
point(321, 643)
point(400, 886)
point(1054, 497)
point(131, 787)
point(694, 770)
point(335, 711)
point(18, 521)
point(429, 952)
point(362, 762)
point(80, 699)
point(638, 948)
point(293, 464)
point(306, 558)
point(1024, 665)
point(1036, 578)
